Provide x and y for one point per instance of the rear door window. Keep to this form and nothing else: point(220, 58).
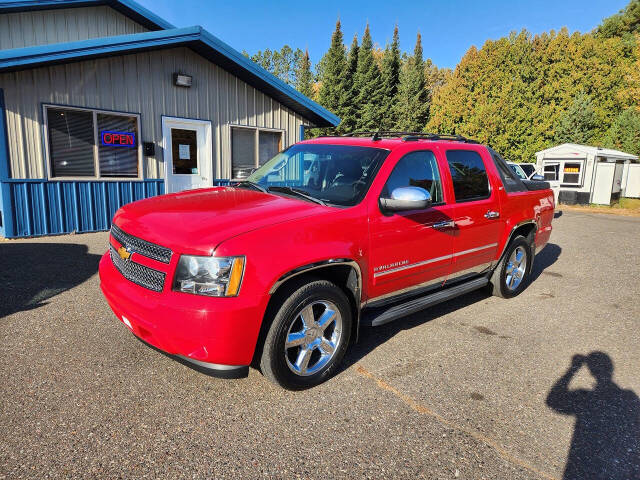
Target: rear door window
point(468, 174)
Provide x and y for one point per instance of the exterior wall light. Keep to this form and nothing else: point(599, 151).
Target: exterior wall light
point(182, 80)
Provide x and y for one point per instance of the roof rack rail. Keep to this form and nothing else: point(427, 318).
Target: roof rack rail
point(409, 136)
point(438, 136)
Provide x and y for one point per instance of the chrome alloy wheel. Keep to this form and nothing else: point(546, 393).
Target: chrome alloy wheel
point(516, 267)
point(313, 338)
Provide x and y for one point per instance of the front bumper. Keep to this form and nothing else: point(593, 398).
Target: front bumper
point(212, 369)
point(214, 335)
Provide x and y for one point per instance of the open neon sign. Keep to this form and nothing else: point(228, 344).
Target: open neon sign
point(118, 139)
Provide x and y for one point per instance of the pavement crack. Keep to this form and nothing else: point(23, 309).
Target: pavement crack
point(423, 410)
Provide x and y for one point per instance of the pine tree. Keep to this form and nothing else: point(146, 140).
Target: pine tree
point(624, 134)
point(390, 82)
point(334, 64)
point(624, 24)
point(283, 63)
point(633, 77)
point(368, 85)
point(304, 77)
point(349, 97)
point(413, 99)
point(264, 59)
point(577, 124)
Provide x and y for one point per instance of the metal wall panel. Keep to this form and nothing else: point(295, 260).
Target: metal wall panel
point(139, 83)
point(49, 208)
point(46, 208)
point(26, 29)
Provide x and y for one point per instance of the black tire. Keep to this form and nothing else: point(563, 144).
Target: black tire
point(501, 278)
point(277, 362)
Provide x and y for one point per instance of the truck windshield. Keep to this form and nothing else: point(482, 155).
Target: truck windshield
point(333, 174)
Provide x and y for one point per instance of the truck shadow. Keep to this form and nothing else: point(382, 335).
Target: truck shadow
point(372, 337)
point(32, 273)
point(544, 259)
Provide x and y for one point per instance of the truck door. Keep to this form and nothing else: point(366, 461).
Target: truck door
point(412, 250)
point(478, 223)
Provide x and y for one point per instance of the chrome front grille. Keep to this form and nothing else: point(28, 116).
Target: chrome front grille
point(137, 245)
point(139, 274)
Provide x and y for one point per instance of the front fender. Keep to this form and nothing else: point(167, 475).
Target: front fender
point(276, 252)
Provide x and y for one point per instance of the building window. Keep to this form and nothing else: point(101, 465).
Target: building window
point(270, 143)
point(469, 176)
point(252, 147)
point(71, 143)
point(551, 172)
point(92, 143)
point(117, 157)
point(572, 174)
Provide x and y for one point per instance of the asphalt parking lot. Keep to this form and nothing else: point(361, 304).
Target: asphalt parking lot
point(474, 388)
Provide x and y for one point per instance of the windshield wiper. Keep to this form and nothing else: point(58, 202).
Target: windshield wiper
point(251, 184)
point(295, 191)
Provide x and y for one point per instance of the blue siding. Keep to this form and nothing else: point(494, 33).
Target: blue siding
point(46, 208)
point(41, 207)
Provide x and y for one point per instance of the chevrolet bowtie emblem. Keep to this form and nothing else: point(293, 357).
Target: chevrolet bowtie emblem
point(124, 253)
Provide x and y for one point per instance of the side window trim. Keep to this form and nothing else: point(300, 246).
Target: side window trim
point(489, 186)
point(437, 165)
point(513, 183)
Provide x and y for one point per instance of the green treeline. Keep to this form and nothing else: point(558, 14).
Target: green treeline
point(520, 94)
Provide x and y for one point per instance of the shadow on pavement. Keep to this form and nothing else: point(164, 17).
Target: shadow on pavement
point(606, 436)
point(32, 273)
point(372, 337)
point(544, 259)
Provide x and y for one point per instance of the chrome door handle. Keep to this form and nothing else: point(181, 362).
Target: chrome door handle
point(445, 224)
point(491, 214)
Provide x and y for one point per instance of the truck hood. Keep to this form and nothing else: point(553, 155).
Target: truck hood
point(196, 221)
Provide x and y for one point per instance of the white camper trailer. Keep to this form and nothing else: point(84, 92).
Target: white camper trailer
point(580, 174)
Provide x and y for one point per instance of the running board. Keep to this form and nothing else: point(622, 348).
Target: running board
point(385, 315)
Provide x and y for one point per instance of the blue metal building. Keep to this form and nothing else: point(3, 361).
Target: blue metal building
point(103, 103)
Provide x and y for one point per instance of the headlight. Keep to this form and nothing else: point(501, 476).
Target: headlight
point(211, 276)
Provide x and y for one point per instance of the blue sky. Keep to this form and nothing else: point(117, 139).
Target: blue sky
point(448, 28)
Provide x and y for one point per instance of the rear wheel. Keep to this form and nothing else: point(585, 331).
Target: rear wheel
point(511, 275)
point(308, 337)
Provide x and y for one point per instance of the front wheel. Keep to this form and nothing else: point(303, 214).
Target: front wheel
point(511, 275)
point(308, 337)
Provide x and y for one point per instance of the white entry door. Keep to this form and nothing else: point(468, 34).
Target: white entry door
point(187, 154)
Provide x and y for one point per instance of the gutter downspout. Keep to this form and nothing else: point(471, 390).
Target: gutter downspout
point(6, 204)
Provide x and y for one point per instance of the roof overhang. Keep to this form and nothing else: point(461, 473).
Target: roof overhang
point(570, 150)
point(128, 8)
point(195, 38)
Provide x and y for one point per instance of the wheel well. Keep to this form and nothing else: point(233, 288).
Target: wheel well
point(345, 276)
point(527, 230)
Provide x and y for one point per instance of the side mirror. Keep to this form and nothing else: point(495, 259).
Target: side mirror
point(537, 178)
point(406, 198)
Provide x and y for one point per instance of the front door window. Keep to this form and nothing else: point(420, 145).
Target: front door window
point(184, 147)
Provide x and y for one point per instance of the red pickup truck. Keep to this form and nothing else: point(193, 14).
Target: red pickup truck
point(281, 270)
